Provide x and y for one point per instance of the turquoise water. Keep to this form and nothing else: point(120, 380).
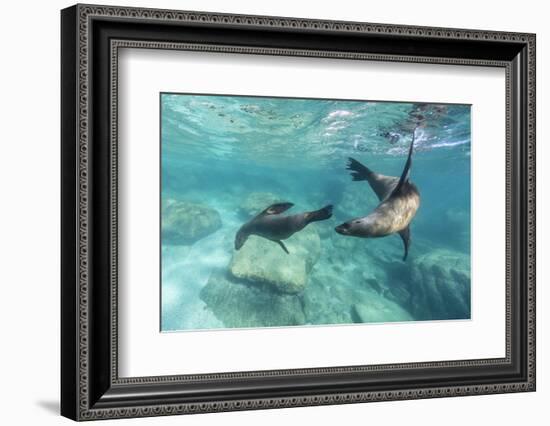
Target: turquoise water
point(226, 158)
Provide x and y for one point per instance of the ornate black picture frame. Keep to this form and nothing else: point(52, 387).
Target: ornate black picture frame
point(91, 387)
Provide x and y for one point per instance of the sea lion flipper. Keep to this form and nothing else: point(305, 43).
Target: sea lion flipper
point(358, 171)
point(277, 208)
point(380, 184)
point(282, 246)
point(321, 214)
point(405, 235)
point(406, 170)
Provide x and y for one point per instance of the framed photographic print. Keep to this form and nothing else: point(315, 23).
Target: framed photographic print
point(263, 212)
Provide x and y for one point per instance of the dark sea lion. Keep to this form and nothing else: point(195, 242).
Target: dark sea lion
point(270, 224)
point(399, 201)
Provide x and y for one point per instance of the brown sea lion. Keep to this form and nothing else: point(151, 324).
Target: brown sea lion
point(270, 224)
point(399, 201)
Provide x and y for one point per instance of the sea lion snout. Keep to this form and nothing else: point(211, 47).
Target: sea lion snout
point(343, 228)
point(356, 228)
point(240, 239)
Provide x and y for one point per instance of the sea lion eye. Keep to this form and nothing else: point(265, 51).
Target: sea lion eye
point(357, 221)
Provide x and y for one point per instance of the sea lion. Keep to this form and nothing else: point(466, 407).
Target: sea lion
point(399, 201)
point(270, 224)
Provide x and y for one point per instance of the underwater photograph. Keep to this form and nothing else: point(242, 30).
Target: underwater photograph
point(279, 212)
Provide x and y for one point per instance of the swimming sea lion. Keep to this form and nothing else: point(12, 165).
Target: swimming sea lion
point(399, 201)
point(270, 224)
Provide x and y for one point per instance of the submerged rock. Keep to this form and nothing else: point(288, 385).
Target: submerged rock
point(341, 295)
point(239, 304)
point(264, 262)
point(184, 223)
point(255, 202)
point(326, 298)
point(379, 309)
point(440, 285)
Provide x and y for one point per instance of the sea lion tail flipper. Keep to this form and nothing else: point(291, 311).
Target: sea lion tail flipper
point(282, 246)
point(277, 208)
point(358, 171)
point(380, 184)
point(405, 235)
point(321, 214)
point(406, 170)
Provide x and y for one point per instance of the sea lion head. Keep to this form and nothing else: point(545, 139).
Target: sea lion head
point(240, 239)
point(360, 227)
